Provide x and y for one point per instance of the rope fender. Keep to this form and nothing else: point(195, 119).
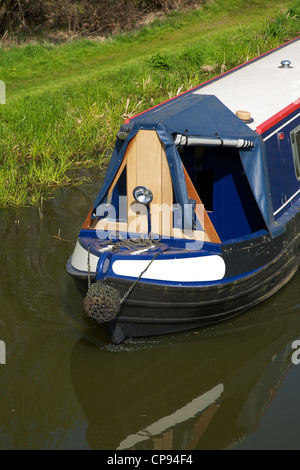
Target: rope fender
point(103, 302)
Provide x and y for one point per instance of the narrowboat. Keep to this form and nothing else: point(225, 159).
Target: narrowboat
point(198, 216)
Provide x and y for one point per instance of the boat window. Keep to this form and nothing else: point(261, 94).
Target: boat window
point(295, 140)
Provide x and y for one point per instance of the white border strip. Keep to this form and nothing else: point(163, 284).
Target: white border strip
point(286, 203)
point(281, 127)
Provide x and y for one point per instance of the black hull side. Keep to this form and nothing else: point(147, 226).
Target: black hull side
point(153, 309)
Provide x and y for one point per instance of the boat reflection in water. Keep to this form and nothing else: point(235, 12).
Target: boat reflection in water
point(186, 392)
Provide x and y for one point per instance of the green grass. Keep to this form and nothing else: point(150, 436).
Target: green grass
point(65, 102)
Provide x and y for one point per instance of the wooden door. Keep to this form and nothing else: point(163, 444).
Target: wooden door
point(147, 166)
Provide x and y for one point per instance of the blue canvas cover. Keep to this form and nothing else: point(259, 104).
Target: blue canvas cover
point(201, 115)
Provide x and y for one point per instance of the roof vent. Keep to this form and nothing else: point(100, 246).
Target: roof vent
point(285, 64)
point(244, 116)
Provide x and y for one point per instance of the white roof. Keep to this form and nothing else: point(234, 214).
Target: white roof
point(261, 87)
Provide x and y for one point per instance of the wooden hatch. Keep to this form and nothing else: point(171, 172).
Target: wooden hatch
point(146, 164)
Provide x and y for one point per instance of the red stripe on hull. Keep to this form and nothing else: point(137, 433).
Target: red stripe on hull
point(278, 117)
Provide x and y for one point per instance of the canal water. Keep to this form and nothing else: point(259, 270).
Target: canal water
point(64, 386)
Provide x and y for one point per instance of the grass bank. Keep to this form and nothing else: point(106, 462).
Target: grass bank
point(65, 102)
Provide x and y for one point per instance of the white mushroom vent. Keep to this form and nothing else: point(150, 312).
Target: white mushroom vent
point(244, 115)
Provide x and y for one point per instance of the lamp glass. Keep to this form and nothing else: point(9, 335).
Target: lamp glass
point(142, 194)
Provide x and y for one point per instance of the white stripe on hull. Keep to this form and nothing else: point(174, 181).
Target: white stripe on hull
point(195, 269)
point(80, 259)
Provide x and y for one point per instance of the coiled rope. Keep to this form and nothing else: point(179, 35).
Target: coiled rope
point(131, 243)
point(103, 302)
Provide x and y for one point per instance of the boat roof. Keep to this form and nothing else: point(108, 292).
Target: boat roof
point(261, 86)
point(195, 114)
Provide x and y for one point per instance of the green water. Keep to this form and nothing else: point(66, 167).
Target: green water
point(64, 386)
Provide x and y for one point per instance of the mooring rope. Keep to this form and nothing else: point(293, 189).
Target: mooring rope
point(137, 279)
point(89, 266)
point(103, 302)
point(131, 243)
